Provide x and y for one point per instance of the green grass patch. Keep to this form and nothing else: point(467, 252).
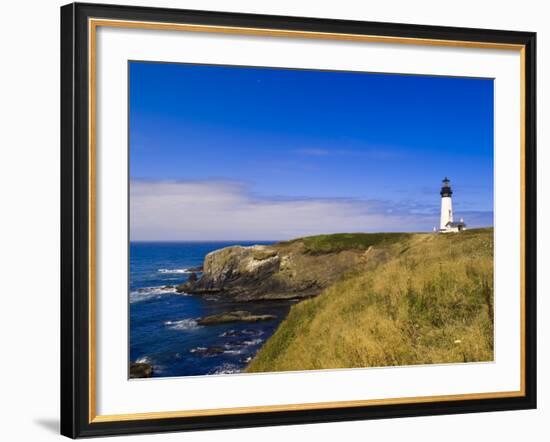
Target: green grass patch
point(338, 242)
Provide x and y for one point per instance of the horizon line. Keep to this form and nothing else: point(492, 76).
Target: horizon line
point(284, 239)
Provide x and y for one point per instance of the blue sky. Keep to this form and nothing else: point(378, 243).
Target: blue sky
point(259, 153)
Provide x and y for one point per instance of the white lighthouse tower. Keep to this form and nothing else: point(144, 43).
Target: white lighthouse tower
point(446, 205)
point(446, 223)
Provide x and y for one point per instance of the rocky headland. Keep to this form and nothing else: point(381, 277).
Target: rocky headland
point(286, 270)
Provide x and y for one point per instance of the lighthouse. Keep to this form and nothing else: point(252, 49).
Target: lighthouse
point(446, 222)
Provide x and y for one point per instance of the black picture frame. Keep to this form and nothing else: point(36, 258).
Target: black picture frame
point(75, 221)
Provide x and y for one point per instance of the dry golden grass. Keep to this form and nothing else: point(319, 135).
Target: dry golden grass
point(423, 300)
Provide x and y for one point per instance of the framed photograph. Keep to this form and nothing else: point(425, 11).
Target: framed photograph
point(274, 220)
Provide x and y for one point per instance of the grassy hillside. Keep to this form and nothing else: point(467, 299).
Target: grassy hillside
point(414, 299)
point(338, 242)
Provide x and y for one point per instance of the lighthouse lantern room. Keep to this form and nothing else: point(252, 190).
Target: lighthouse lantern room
point(446, 222)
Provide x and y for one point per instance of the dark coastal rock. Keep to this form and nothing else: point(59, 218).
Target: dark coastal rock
point(234, 269)
point(281, 271)
point(140, 370)
point(197, 269)
point(192, 278)
point(210, 351)
point(235, 316)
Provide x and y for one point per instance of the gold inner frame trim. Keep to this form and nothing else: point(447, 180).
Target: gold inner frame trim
point(93, 24)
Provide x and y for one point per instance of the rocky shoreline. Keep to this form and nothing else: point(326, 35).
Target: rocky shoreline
point(144, 369)
point(285, 271)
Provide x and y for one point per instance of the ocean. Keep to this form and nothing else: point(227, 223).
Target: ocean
point(163, 327)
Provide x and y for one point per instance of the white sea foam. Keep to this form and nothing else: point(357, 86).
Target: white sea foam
point(157, 369)
point(232, 352)
point(226, 368)
point(245, 332)
point(183, 324)
point(146, 293)
point(175, 271)
point(253, 342)
point(252, 332)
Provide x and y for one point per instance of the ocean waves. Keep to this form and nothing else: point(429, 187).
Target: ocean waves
point(180, 271)
point(226, 368)
point(241, 347)
point(146, 293)
point(164, 328)
point(183, 324)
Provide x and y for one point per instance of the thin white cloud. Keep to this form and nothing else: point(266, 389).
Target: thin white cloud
point(380, 153)
point(225, 210)
point(313, 152)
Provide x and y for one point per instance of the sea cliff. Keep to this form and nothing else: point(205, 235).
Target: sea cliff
point(296, 269)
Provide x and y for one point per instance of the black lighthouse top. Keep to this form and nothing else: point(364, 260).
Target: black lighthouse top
point(446, 189)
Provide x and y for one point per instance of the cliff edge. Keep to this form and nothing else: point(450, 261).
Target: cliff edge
point(296, 269)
